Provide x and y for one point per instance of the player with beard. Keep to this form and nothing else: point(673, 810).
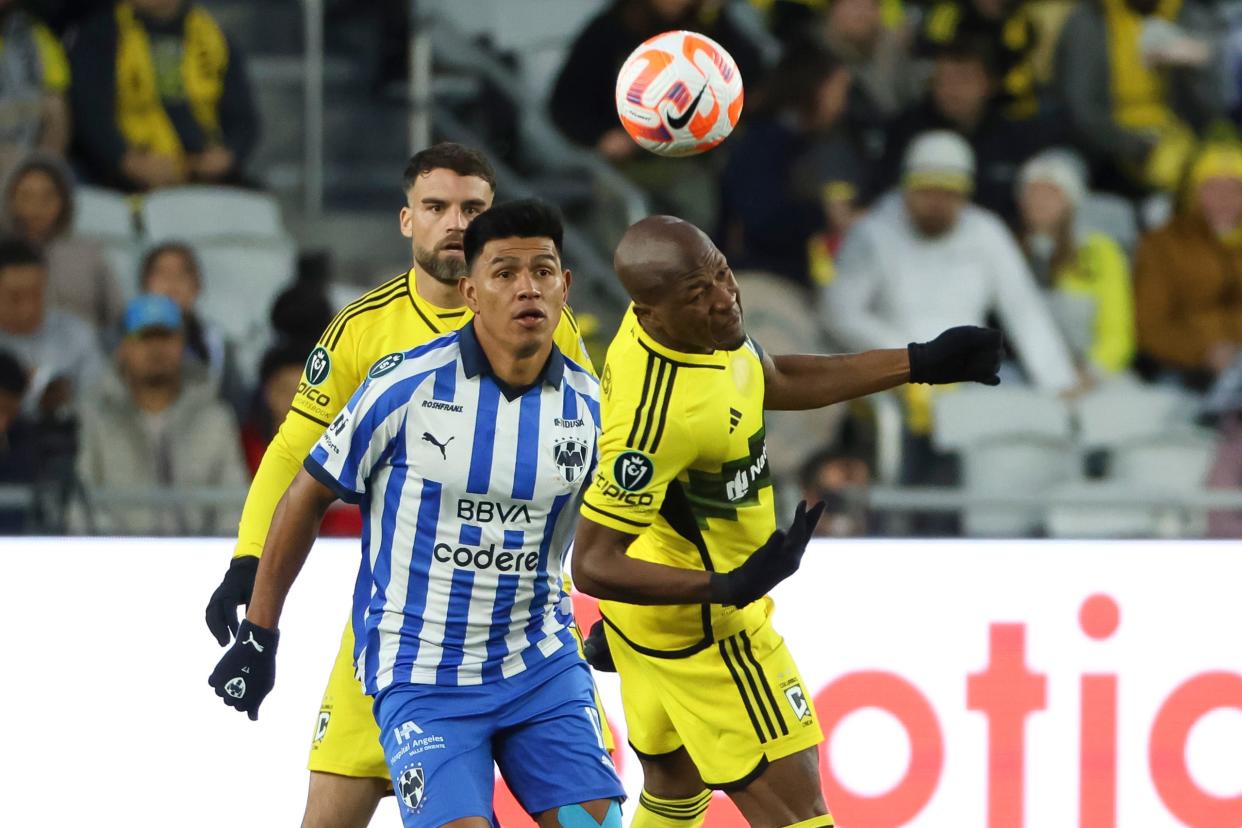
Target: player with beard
point(446, 187)
point(678, 533)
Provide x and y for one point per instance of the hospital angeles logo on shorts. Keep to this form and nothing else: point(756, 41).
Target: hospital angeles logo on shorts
point(412, 787)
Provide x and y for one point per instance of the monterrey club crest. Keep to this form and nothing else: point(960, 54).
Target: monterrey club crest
point(412, 787)
point(571, 458)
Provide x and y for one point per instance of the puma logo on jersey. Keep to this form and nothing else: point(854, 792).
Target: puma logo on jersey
point(428, 437)
point(250, 640)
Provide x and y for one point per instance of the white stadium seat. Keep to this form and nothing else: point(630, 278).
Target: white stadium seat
point(1177, 461)
point(1087, 520)
point(1125, 411)
point(240, 282)
point(1027, 464)
point(193, 213)
point(1164, 464)
point(967, 415)
point(103, 214)
point(123, 257)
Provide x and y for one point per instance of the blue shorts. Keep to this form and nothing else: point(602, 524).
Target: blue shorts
point(540, 727)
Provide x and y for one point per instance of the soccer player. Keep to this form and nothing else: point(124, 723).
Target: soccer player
point(677, 532)
point(446, 187)
point(469, 456)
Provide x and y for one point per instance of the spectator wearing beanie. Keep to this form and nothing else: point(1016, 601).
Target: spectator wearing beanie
point(1085, 274)
point(925, 259)
point(1188, 274)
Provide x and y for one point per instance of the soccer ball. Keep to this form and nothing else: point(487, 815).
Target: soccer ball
point(679, 93)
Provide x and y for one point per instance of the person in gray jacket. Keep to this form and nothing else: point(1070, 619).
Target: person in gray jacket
point(59, 352)
point(150, 426)
point(1137, 87)
point(925, 258)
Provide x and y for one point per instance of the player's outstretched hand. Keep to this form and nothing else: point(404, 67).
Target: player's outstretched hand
point(963, 354)
point(595, 649)
point(247, 670)
point(770, 564)
point(233, 592)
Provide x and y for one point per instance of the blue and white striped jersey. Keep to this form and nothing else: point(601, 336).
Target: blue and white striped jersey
point(469, 493)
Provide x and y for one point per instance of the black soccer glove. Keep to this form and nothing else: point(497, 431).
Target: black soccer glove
point(768, 565)
point(963, 354)
point(247, 670)
point(595, 649)
point(233, 591)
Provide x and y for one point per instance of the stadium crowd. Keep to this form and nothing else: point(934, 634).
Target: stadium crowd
point(1067, 170)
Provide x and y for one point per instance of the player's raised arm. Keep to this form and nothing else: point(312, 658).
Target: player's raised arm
point(800, 381)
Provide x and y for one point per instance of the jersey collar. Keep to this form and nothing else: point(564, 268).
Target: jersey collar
point(474, 363)
point(445, 319)
point(645, 339)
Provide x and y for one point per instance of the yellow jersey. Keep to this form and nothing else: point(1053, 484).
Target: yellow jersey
point(684, 466)
point(390, 318)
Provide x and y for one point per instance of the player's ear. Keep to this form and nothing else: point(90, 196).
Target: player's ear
point(568, 276)
point(406, 220)
point(469, 292)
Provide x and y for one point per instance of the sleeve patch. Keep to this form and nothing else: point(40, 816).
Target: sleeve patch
point(632, 471)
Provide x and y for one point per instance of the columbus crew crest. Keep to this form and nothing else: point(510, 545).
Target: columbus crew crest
point(571, 458)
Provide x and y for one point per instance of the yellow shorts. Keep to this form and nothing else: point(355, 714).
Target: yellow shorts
point(346, 739)
point(734, 706)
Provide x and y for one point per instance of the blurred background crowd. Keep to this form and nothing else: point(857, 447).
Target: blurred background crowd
point(191, 189)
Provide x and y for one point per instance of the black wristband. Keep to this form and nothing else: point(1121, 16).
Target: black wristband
point(249, 563)
point(918, 371)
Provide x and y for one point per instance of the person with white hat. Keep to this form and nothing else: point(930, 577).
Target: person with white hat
point(926, 258)
point(1086, 274)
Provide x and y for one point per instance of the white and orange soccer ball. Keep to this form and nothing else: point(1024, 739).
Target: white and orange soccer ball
point(679, 93)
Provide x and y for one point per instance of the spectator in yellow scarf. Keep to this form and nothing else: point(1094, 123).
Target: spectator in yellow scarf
point(1138, 82)
point(161, 98)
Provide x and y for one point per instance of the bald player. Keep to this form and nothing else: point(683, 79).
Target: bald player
point(678, 536)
